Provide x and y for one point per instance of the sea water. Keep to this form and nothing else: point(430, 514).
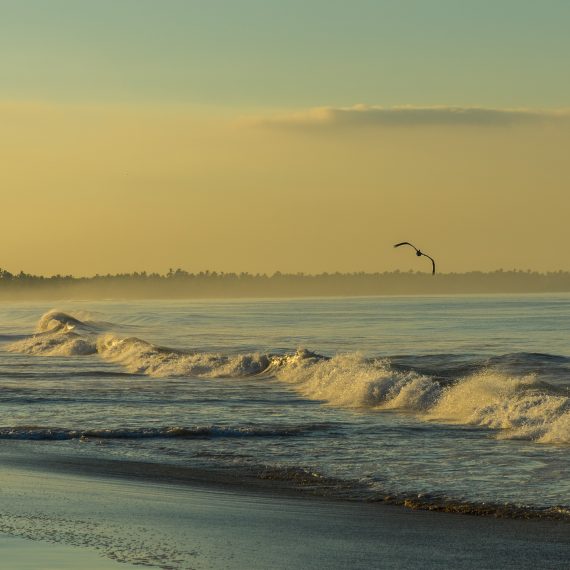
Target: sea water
point(449, 399)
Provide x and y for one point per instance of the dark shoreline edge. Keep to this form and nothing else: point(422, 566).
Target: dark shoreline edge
point(294, 482)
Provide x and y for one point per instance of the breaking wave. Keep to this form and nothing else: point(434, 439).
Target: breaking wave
point(520, 407)
point(351, 380)
point(58, 343)
point(57, 321)
point(141, 357)
point(517, 406)
point(60, 334)
point(79, 321)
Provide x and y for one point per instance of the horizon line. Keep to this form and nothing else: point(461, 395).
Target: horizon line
point(179, 272)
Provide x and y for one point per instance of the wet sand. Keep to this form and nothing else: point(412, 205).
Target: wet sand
point(21, 554)
point(129, 517)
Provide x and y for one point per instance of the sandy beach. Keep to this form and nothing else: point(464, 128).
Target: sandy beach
point(21, 554)
point(95, 520)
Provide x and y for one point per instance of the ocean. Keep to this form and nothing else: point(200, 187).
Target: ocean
point(451, 403)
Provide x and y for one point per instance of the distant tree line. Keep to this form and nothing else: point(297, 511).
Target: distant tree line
point(178, 283)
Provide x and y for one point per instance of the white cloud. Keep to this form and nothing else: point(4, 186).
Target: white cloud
point(362, 116)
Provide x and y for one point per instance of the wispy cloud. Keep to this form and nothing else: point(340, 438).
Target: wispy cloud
point(363, 116)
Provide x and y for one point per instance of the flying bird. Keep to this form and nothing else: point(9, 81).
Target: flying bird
point(419, 253)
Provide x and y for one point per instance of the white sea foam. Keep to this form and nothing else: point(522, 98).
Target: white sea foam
point(353, 381)
point(57, 321)
point(57, 334)
point(59, 343)
point(517, 407)
point(520, 407)
point(558, 430)
point(141, 357)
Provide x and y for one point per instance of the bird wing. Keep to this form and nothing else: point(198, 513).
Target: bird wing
point(406, 243)
point(432, 262)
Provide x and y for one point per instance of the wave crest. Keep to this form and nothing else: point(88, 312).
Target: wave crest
point(142, 357)
point(518, 406)
point(352, 380)
point(522, 407)
point(53, 321)
point(59, 343)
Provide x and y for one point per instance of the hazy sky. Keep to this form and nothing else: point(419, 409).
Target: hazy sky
point(264, 135)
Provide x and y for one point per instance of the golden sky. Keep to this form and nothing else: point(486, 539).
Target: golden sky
point(299, 136)
point(92, 189)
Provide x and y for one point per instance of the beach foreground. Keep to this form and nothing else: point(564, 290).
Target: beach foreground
point(194, 435)
point(21, 554)
point(130, 518)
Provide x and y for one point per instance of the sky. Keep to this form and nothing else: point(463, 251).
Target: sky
point(266, 135)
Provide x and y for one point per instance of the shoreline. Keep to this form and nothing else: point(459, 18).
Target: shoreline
point(198, 523)
point(288, 482)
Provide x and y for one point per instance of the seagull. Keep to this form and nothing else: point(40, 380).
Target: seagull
point(418, 253)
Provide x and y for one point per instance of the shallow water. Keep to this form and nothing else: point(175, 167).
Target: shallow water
point(459, 398)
